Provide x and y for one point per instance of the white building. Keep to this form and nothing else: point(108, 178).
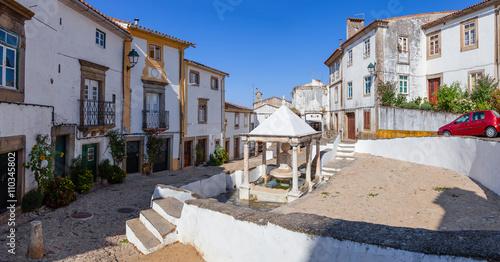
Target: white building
point(312, 100)
point(265, 108)
point(203, 110)
point(66, 84)
point(156, 86)
point(461, 47)
point(239, 120)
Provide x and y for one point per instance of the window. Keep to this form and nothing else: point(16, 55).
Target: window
point(478, 116)
point(155, 52)
point(100, 38)
point(367, 119)
point(469, 35)
point(349, 90)
point(403, 84)
point(202, 111)
point(434, 48)
point(336, 94)
point(368, 85)
point(349, 57)
point(403, 56)
point(236, 121)
point(463, 119)
point(245, 120)
point(194, 77)
point(332, 74)
point(8, 59)
point(473, 79)
point(366, 50)
point(91, 91)
point(337, 70)
point(214, 83)
point(90, 154)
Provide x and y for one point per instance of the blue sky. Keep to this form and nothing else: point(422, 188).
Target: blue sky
point(276, 44)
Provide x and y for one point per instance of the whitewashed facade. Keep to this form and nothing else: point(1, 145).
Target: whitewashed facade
point(312, 101)
point(239, 120)
point(205, 110)
point(264, 108)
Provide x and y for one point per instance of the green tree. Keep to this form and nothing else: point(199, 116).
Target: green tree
point(387, 93)
point(116, 146)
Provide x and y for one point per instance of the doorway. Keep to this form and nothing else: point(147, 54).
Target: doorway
point(187, 153)
point(162, 159)
point(203, 144)
point(133, 148)
point(60, 162)
point(351, 126)
point(236, 147)
point(5, 159)
point(89, 152)
point(433, 89)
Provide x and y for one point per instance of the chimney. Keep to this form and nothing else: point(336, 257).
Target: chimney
point(259, 96)
point(340, 41)
point(136, 21)
point(354, 25)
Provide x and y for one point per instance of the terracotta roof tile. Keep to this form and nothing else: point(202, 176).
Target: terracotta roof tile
point(119, 27)
point(459, 13)
point(235, 106)
point(207, 67)
point(432, 13)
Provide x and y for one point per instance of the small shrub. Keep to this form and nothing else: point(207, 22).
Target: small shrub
point(153, 144)
point(495, 100)
point(60, 192)
point(118, 175)
point(426, 106)
point(449, 96)
point(410, 105)
point(440, 189)
point(480, 96)
point(219, 157)
point(85, 181)
point(105, 169)
point(373, 195)
point(78, 166)
point(32, 201)
point(387, 93)
point(116, 146)
point(400, 99)
point(418, 100)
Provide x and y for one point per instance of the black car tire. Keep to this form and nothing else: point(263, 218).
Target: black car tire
point(446, 133)
point(491, 132)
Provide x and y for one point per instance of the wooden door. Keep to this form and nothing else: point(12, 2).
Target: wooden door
point(60, 162)
point(187, 153)
point(236, 147)
point(89, 152)
point(133, 156)
point(162, 159)
point(351, 126)
point(433, 88)
point(203, 144)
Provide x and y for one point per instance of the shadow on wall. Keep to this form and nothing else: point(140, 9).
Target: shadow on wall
point(458, 205)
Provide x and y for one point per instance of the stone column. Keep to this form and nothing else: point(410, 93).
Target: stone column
point(35, 245)
point(264, 160)
point(278, 152)
point(318, 160)
point(294, 194)
point(309, 164)
point(245, 187)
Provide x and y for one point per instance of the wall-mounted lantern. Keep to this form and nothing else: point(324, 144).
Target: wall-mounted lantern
point(133, 58)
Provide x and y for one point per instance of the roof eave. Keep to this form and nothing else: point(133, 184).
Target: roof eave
point(463, 12)
point(373, 25)
point(147, 30)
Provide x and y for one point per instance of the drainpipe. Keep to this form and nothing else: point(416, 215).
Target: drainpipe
point(183, 102)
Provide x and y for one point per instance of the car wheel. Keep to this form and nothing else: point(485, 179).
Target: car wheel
point(446, 133)
point(491, 132)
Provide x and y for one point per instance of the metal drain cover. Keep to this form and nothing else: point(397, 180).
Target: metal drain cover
point(82, 216)
point(125, 210)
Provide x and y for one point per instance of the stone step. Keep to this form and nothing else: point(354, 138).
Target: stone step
point(139, 235)
point(169, 208)
point(342, 144)
point(345, 154)
point(327, 174)
point(156, 224)
point(344, 158)
point(331, 169)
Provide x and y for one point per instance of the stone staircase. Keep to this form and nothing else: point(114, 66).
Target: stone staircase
point(344, 157)
point(155, 227)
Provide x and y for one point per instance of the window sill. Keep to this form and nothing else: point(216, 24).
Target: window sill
point(468, 48)
point(194, 84)
point(366, 57)
point(366, 95)
point(429, 57)
point(202, 123)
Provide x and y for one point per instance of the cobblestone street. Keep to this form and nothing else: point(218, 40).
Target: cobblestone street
point(102, 237)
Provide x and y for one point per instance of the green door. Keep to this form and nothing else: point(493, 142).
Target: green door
point(89, 152)
point(60, 162)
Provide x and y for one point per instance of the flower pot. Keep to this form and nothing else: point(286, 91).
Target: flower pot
point(146, 169)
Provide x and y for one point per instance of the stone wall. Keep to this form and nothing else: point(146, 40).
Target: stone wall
point(392, 118)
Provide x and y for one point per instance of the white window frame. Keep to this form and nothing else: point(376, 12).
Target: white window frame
point(214, 80)
point(470, 33)
point(367, 90)
point(404, 79)
point(194, 81)
point(337, 70)
point(434, 44)
point(349, 90)
point(473, 78)
point(349, 57)
point(100, 38)
point(11, 47)
point(366, 48)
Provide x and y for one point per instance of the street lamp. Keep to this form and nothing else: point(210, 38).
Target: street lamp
point(371, 69)
point(133, 58)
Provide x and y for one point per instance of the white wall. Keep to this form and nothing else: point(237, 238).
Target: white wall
point(468, 156)
point(455, 64)
point(215, 105)
point(262, 113)
point(34, 121)
point(231, 132)
point(392, 118)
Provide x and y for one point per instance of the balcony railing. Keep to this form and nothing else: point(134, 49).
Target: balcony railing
point(97, 113)
point(155, 119)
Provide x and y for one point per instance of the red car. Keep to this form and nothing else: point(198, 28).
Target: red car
point(473, 124)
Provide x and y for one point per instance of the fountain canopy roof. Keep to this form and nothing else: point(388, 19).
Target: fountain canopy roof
point(283, 125)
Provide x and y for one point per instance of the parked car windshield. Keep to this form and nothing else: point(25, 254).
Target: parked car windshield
point(463, 119)
point(495, 113)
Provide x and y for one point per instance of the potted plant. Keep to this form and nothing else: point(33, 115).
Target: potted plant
point(105, 171)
